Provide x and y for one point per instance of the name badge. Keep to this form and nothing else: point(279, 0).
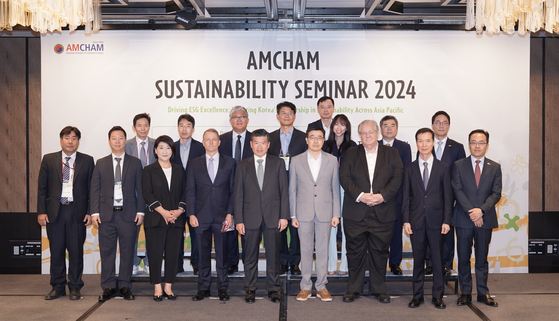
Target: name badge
point(67, 187)
point(286, 160)
point(118, 191)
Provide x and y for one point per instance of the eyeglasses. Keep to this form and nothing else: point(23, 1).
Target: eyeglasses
point(314, 138)
point(370, 132)
point(481, 144)
point(283, 113)
point(239, 117)
point(444, 123)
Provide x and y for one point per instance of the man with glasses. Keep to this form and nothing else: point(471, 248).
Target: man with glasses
point(477, 184)
point(448, 151)
point(370, 175)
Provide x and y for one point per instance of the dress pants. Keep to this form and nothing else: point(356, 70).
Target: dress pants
point(314, 234)
point(66, 232)
point(163, 242)
point(396, 244)
point(480, 239)
point(333, 246)
point(448, 250)
point(204, 234)
point(290, 254)
point(272, 238)
point(193, 246)
point(109, 233)
point(233, 247)
point(419, 240)
point(367, 238)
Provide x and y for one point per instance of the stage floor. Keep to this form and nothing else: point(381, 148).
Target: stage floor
point(520, 297)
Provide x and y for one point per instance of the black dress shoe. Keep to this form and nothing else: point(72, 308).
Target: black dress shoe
point(429, 270)
point(232, 269)
point(107, 294)
point(488, 300)
point(180, 268)
point(415, 303)
point(171, 297)
point(395, 269)
point(438, 303)
point(250, 296)
point(75, 294)
point(195, 269)
point(222, 294)
point(274, 296)
point(283, 269)
point(464, 299)
point(447, 271)
point(158, 298)
point(383, 298)
point(126, 293)
point(55, 294)
point(295, 270)
point(201, 295)
point(351, 296)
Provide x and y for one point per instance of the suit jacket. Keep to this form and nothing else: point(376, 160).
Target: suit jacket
point(50, 185)
point(131, 149)
point(469, 196)
point(308, 197)
point(453, 151)
point(156, 192)
point(270, 204)
point(404, 150)
point(210, 202)
point(317, 123)
point(297, 145)
point(102, 188)
point(225, 148)
point(433, 204)
point(196, 150)
point(354, 178)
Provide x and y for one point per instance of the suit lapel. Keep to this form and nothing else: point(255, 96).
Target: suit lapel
point(220, 169)
point(306, 166)
point(485, 172)
point(323, 165)
point(470, 174)
point(380, 161)
point(434, 172)
point(77, 166)
point(417, 173)
point(268, 171)
point(363, 158)
point(125, 167)
point(252, 171)
point(59, 165)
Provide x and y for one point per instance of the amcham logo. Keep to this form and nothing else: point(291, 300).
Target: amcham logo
point(58, 48)
point(97, 47)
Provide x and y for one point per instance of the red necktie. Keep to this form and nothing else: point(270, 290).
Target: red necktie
point(477, 172)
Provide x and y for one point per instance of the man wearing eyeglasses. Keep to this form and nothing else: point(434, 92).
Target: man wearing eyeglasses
point(325, 108)
point(236, 144)
point(448, 151)
point(477, 184)
point(370, 175)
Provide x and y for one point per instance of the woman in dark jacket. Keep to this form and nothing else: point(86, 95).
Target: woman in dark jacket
point(163, 186)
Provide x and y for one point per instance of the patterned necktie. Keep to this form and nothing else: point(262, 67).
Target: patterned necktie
point(65, 177)
point(211, 169)
point(118, 175)
point(439, 152)
point(425, 175)
point(143, 157)
point(260, 173)
point(477, 172)
point(238, 149)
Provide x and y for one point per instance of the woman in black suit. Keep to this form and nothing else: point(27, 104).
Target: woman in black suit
point(338, 143)
point(163, 186)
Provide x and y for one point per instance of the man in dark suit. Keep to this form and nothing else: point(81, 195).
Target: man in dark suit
point(236, 144)
point(209, 198)
point(287, 142)
point(117, 208)
point(448, 151)
point(261, 207)
point(141, 147)
point(477, 184)
point(370, 175)
point(63, 207)
point(427, 209)
point(325, 108)
point(389, 130)
point(187, 149)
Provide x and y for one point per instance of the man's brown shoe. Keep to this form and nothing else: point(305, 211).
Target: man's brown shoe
point(324, 295)
point(303, 295)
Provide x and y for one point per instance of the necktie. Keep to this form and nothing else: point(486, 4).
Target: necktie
point(238, 149)
point(143, 157)
point(65, 177)
point(477, 172)
point(211, 169)
point(387, 145)
point(118, 174)
point(260, 173)
point(439, 152)
point(425, 175)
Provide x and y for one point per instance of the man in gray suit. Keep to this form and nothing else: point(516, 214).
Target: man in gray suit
point(261, 207)
point(314, 197)
point(141, 147)
point(117, 207)
point(477, 184)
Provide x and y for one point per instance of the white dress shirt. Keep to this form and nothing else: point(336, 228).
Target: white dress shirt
point(371, 163)
point(480, 164)
point(314, 165)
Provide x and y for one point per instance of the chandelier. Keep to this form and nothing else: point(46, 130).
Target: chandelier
point(51, 15)
point(496, 15)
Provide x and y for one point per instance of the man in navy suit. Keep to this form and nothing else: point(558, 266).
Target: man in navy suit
point(426, 212)
point(236, 144)
point(325, 108)
point(389, 130)
point(209, 205)
point(187, 149)
point(477, 184)
point(448, 151)
point(287, 142)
